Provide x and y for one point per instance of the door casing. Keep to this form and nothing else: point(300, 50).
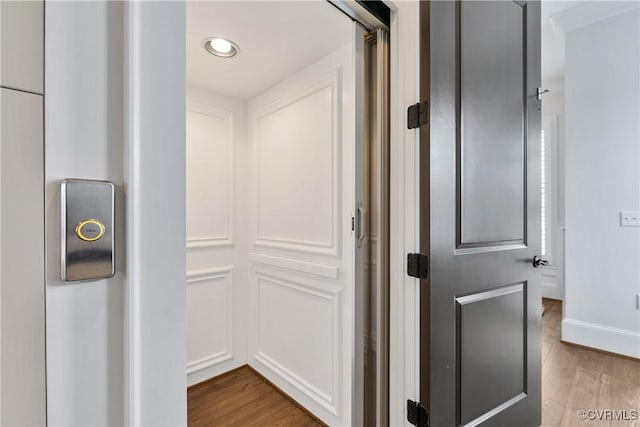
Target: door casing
point(145, 372)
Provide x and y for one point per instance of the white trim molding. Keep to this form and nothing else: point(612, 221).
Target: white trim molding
point(589, 13)
point(208, 274)
point(313, 268)
point(155, 379)
point(208, 242)
point(208, 362)
point(132, 179)
point(607, 338)
point(404, 302)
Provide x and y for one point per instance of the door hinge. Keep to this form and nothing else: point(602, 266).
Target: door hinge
point(417, 414)
point(418, 266)
point(417, 115)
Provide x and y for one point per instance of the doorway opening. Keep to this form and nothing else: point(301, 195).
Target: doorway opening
point(287, 213)
point(591, 323)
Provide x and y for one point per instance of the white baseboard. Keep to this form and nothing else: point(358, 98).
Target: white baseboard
point(308, 396)
point(212, 369)
point(614, 340)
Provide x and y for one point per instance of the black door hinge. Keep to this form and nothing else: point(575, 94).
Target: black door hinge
point(417, 414)
point(417, 115)
point(418, 266)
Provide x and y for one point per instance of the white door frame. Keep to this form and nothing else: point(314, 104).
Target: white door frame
point(155, 376)
point(155, 373)
point(404, 190)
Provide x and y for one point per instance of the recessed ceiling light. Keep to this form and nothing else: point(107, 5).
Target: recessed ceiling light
point(221, 47)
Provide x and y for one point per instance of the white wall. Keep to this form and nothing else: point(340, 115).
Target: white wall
point(217, 264)
point(602, 179)
point(83, 139)
point(98, 330)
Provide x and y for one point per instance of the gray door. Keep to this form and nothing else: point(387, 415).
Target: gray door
point(482, 301)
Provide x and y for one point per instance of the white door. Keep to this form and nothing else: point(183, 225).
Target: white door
point(302, 137)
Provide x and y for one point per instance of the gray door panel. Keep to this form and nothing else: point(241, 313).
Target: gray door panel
point(490, 134)
point(484, 223)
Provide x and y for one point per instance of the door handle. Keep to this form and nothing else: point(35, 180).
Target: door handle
point(537, 261)
point(360, 212)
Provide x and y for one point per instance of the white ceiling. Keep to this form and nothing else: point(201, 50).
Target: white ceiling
point(275, 40)
point(553, 43)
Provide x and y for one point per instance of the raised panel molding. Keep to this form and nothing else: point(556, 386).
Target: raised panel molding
point(488, 248)
point(479, 359)
point(226, 239)
point(312, 268)
point(331, 244)
point(286, 377)
point(224, 274)
point(482, 196)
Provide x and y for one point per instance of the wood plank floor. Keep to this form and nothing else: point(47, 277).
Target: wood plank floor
point(243, 398)
point(575, 378)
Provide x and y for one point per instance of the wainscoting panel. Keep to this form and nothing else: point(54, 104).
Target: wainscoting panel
point(209, 302)
point(216, 237)
point(210, 155)
point(301, 343)
point(297, 140)
point(301, 251)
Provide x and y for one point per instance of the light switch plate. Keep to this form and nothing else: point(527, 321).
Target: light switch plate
point(630, 219)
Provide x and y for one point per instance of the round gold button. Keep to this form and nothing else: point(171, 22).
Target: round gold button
point(90, 230)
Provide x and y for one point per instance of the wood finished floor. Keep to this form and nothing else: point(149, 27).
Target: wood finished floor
point(243, 398)
point(575, 378)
